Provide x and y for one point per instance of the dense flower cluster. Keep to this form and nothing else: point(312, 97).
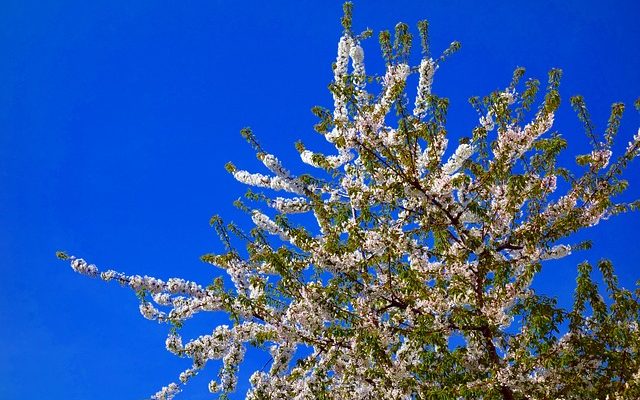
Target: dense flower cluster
point(418, 285)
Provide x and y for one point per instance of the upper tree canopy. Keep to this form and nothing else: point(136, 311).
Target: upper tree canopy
point(418, 282)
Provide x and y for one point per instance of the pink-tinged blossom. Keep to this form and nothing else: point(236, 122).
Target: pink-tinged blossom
point(549, 183)
point(562, 205)
point(513, 141)
point(500, 215)
point(600, 158)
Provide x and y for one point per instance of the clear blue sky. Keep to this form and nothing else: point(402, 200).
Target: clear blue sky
point(116, 118)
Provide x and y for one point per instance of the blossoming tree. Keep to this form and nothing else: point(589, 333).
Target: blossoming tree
point(413, 249)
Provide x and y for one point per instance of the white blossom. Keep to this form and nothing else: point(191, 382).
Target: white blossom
point(79, 265)
point(462, 153)
point(427, 69)
point(167, 393)
point(556, 252)
point(633, 147)
point(291, 206)
point(600, 158)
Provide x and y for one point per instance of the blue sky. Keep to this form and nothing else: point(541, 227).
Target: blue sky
point(116, 119)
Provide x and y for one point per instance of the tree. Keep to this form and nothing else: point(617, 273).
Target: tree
point(411, 251)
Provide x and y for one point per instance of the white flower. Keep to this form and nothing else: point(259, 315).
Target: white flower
point(487, 122)
point(462, 153)
point(174, 344)
point(633, 147)
point(291, 206)
point(357, 59)
point(150, 312)
point(426, 70)
point(556, 252)
point(600, 158)
point(167, 392)
point(214, 387)
point(266, 223)
point(79, 265)
point(289, 184)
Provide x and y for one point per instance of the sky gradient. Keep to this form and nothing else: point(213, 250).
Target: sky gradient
point(116, 119)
